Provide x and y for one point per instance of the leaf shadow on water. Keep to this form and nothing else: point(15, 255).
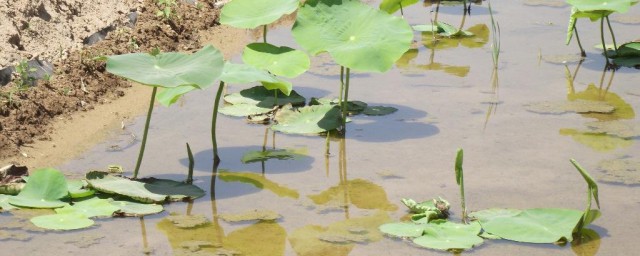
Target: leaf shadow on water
point(401, 125)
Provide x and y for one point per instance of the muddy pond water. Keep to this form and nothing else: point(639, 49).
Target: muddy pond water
point(446, 100)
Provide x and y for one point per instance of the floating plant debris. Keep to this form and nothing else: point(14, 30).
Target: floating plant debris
point(576, 106)
point(128, 208)
point(256, 214)
point(187, 221)
point(625, 171)
point(622, 129)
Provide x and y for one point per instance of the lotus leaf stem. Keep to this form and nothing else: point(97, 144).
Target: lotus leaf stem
point(264, 33)
point(191, 164)
point(345, 100)
point(582, 52)
point(401, 11)
point(214, 142)
point(146, 131)
point(341, 84)
point(460, 181)
point(604, 47)
point(613, 37)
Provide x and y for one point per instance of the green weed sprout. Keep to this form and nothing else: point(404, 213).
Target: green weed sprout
point(460, 182)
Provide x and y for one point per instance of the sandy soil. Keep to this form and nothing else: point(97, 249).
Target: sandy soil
point(82, 104)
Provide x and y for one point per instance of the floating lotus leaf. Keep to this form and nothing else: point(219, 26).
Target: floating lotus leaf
point(391, 6)
point(539, 225)
point(188, 221)
point(448, 30)
point(243, 110)
point(280, 154)
point(562, 107)
point(281, 61)
point(44, 189)
point(625, 171)
point(620, 6)
point(76, 190)
point(175, 190)
point(258, 181)
point(94, 207)
point(597, 141)
point(4, 203)
point(264, 98)
point(242, 74)
point(128, 208)
point(379, 111)
point(169, 69)
point(622, 129)
point(121, 186)
point(489, 214)
point(255, 214)
point(251, 14)
point(308, 120)
point(356, 35)
point(445, 235)
point(479, 39)
point(628, 55)
point(67, 221)
point(403, 229)
point(425, 28)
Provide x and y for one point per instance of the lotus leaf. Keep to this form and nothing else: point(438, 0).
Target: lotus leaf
point(628, 55)
point(4, 203)
point(489, 214)
point(625, 171)
point(392, 6)
point(169, 69)
point(76, 190)
point(425, 28)
point(44, 189)
point(280, 61)
point(619, 6)
point(356, 35)
point(242, 74)
point(255, 214)
point(243, 110)
point(403, 229)
point(280, 154)
point(67, 221)
point(171, 95)
point(539, 225)
point(175, 190)
point(251, 14)
point(258, 181)
point(379, 111)
point(308, 120)
point(94, 207)
point(128, 208)
point(117, 185)
point(262, 97)
point(448, 30)
point(445, 235)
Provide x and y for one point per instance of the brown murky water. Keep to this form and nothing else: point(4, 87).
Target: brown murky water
point(446, 99)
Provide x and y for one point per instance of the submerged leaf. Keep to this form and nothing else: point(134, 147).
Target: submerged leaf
point(251, 14)
point(622, 129)
point(258, 181)
point(539, 225)
point(67, 221)
point(367, 39)
point(308, 120)
point(44, 189)
point(188, 221)
point(379, 111)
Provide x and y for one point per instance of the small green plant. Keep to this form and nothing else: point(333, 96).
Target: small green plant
point(166, 12)
point(25, 77)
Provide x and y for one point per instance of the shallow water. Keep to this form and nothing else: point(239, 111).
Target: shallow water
point(513, 158)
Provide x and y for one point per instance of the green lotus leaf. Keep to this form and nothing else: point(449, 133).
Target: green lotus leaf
point(629, 49)
point(280, 61)
point(262, 97)
point(620, 6)
point(4, 203)
point(258, 181)
point(308, 120)
point(251, 13)
point(171, 95)
point(280, 154)
point(242, 74)
point(93, 207)
point(445, 235)
point(355, 35)
point(241, 110)
point(425, 28)
point(169, 69)
point(175, 190)
point(128, 208)
point(631, 62)
point(489, 214)
point(379, 111)
point(447, 30)
point(76, 190)
point(392, 6)
point(402, 229)
point(539, 225)
point(283, 85)
point(44, 189)
point(67, 221)
point(121, 186)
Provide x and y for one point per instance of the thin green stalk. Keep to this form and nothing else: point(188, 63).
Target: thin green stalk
point(327, 144)
point(613, 37)
point(345, 100)
point(275, 95)
point(401, 11)
point(191, 164)
point(214, 141)
point(341, 84)
point(264, 34)
point(460, 181)
point(604, 47)
point(146, 131)
point(582, 52)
